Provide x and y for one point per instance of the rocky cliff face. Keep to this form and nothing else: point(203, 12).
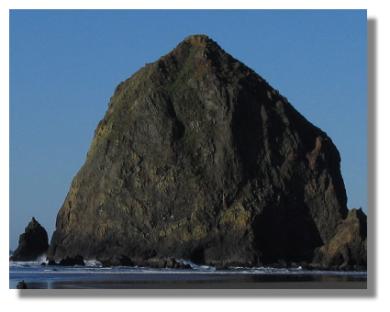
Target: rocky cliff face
point(32, 243)
point(348, 247)
point(198, 157)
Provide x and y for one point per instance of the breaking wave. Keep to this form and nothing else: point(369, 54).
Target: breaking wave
point(93, 266)
point(38, 261)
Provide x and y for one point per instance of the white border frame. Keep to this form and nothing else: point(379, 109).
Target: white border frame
point(301, 300)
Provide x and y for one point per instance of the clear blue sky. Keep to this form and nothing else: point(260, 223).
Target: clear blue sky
point(65, 65)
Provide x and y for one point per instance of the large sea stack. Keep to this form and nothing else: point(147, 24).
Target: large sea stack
point(199, 158)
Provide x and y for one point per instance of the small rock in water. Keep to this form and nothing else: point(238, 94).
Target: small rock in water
point(21, 285)
point(69, 261)
point(116, 261)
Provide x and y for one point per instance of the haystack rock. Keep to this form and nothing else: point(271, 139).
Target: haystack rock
point(32, 243)
point(199, 158)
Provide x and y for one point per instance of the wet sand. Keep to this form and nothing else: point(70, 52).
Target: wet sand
point(202, 281)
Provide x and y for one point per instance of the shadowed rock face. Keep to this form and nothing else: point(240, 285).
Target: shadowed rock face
point(32, 243)
point(198, 157)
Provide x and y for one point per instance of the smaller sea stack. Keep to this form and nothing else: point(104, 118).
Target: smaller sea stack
point(32, 243)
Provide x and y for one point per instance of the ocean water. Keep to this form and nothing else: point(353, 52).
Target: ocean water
point(94, 276)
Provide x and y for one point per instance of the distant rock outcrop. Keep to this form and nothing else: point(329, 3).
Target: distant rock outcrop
point(21, 285)
point(72, 261)
point(199, 158)
point(32, 243)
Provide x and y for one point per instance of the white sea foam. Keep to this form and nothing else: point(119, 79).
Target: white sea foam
point(42, 259)
point(38, 261)
point(93, 263)
point(196, 266)
point(93, 266)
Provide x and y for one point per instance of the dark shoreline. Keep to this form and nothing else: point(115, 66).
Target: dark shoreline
point(81, 278)
point(209, 285)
